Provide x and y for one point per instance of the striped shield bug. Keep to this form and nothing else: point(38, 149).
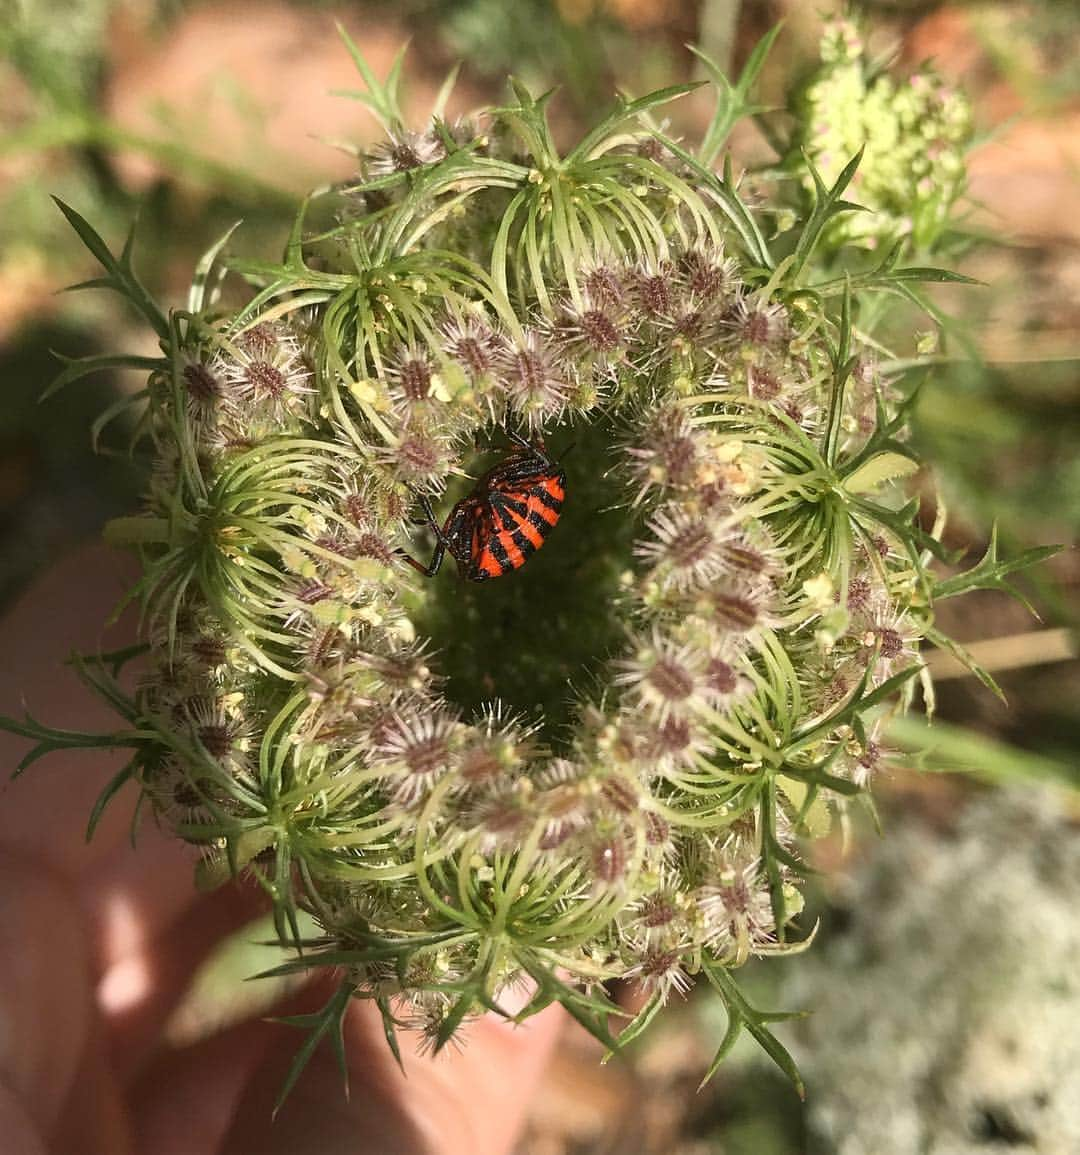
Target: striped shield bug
point(505, 519)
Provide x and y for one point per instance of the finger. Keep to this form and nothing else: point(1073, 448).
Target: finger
point(467, 1103)
point(131, 896)
point(95, 1118)
point(134, 893)
point(141, 990)
point(64, 611)
point(46, 996)
point(478, 1100)
point(59, 1077)
point(186, 1099)
point(22, 1136)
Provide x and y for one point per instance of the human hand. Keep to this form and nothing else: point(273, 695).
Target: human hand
point(99, 941)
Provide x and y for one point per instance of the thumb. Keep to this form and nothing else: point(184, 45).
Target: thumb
point(468, 1102)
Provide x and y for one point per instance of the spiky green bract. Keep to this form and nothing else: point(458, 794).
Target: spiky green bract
point(766, 610)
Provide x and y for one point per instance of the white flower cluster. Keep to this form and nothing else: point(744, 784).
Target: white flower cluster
point(914, 132)
point(973, 938)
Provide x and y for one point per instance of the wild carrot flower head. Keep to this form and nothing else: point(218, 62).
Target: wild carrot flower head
point(728, 536)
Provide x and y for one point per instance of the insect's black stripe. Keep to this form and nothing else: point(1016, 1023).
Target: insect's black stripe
point(545, 498)
point(515, 473)
point(510, 501)
point(522, 542)
point(515, 523)
point(498, 551)
point(503, 520)
point(461, 527)
point(540, 523)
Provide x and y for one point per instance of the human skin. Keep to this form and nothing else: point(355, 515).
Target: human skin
point(99, 940)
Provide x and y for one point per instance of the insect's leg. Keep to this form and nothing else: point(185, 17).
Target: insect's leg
point(458, 531)
point(433, 567)
point(429, 514)
point(428, 520)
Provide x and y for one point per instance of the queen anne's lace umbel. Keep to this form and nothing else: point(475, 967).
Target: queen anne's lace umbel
point(292, 721)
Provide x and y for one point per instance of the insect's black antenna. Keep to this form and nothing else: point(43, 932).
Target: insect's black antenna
point(537, 448)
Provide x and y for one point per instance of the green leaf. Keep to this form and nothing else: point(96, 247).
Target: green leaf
point(813, 817)
point(727, 1045)
point(49, 739)
point(111, 412)
point(743, 1016)
point(624, 112)
point(639, 1023)
point(881, 468)
point(814, 776)
point(438, 109)
point(933, 276)
point(390, 1025)
point(727, 200)
point(113, 660)
point(137, 530)
point(594, 1024)
point(944, 642)
point(887, 428)
point(827, 205)
point(115, 784)
point(887, 274)
point(197, 293)
point(75, 368)
point(527, 120)
point(843, 364)
point(294, 246)
point(120, 275)
point(329, 1022)
point(93, 674)
point(591, 1013)
point(381, 98)
point(945, 749)
point(771, 863)
point(455, 1017)
point(381, 949)
point(859, 703)
point(990, 572)
point(902, 522)
point(243, 847)
point(947, 324)
point(732, 100)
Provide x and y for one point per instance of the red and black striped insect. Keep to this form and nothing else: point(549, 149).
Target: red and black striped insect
point(505, 519)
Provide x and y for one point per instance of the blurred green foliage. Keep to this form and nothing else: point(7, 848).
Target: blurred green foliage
point(1007, 437)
